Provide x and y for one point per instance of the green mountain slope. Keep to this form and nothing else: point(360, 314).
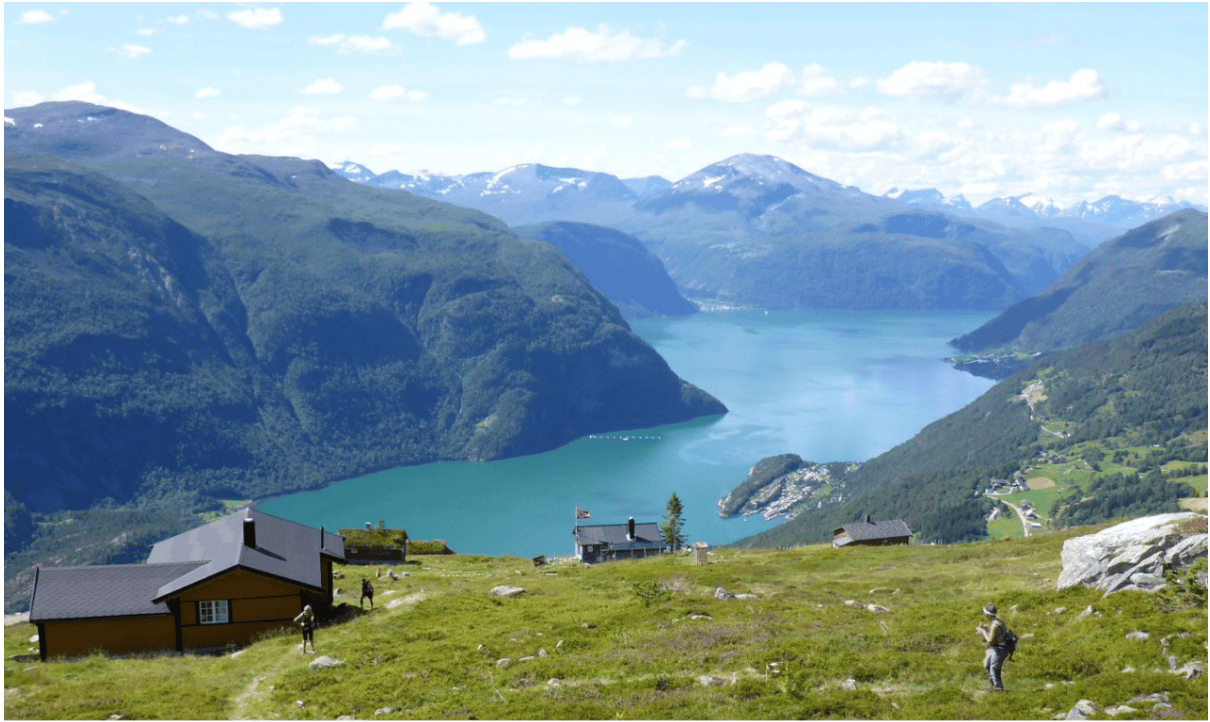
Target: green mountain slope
point(1120, 285)
point(186, 324)
point(870, 633)
point(1143, 389)
point(617, 264)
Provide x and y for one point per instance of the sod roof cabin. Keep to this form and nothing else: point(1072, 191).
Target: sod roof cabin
point(218, 585)
point(867, 532)
point(375, 546)
point(606, 542)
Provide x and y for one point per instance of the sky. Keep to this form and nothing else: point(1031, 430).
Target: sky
point(1064, 101)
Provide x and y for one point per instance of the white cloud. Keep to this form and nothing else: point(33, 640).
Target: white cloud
point(426, 20)
point(395, 92)
point(745, 86)
point(1083, 85)
point(832, 127)
point(256, 18)
point(35, 17)
point(734, 131)
point(604, 45)
point(1113, 122)
point(295, 135)
point(177, 20)
point(947, 81)
point(132, 52)
point(815, 80)
point(595, 155)
point(363, 44)
point(26, 98)
point(207, 92)
point(206, 14)
point(323, 86)
point(86, 91)
point(145, 32)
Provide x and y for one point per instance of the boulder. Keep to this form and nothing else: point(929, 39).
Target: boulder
point(325, 661)
point(507, 591)
point(1084, 709)
point(721, 593)
point(1132, 555)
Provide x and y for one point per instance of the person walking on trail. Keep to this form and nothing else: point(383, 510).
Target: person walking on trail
point(994, 636)
point(306, 620)
point(367, 592)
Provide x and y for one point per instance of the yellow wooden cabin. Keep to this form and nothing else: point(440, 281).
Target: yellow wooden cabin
point(219, 585)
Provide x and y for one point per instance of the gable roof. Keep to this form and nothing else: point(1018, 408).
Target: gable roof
point(867, 529)
point(117, 590)
point(284, 549)
point(646, 535)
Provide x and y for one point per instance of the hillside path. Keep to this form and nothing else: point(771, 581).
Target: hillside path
point(1020, 515)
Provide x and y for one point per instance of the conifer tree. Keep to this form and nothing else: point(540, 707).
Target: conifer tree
point(673, 523)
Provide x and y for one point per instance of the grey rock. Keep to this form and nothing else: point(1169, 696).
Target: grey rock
point(707, 680)
point(383, 710)
point(33, 639)
point(1119, 709)
point(553, 682)
point(1191, 670)
point(1084, 709)
point(876, 608)
point(850, 684)
point(345, 717)
point(506, 591)
point(1141, 636)
point(1059, 610)
point(504, 662)
point(299, 702)
point(721, 593)
point(695, 615)
point(746, 596)
point(324, 662)
point(1088, 612)
point(1131, 555)
point(542, 654)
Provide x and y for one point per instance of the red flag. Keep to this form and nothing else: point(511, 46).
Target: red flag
point(582, 513)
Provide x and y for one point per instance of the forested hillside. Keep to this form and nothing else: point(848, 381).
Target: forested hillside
point(183, 325)
point(1119, 286)
point(1144, 389)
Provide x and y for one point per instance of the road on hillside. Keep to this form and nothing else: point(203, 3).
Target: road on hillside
point(1020, 515)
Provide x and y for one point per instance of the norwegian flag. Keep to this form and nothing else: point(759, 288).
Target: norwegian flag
point(582, 514)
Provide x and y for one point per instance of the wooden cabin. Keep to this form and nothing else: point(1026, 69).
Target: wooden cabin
point(606, 542)
point(215, 586)
point(867, 532)
point(375, 546)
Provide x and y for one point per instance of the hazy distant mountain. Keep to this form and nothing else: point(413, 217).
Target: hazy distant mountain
point(618, 266)
point(355, 172)
point(1116, 288)
point(650, 185)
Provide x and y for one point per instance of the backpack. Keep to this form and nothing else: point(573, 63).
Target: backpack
point(1008, 643)
point(367, 588)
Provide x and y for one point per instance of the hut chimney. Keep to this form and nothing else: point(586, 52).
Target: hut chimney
point(322, 544)
point(630, 529)
point(368, 527)
point(250, 532)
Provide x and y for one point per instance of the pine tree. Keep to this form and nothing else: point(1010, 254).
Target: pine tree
point(673, 523)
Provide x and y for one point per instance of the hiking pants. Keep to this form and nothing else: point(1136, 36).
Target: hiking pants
point(993, 662)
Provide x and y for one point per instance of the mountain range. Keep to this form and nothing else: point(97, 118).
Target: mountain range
point(759, 231)
point(188, 324)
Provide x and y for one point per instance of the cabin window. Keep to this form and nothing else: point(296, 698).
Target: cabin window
point(214, 612)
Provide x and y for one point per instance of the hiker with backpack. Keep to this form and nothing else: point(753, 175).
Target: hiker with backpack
point(1001, 643)
point(367, 591)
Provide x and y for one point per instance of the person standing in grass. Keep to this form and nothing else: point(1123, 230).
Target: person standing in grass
point(306, 620)
point(994, 637)
point(367, 592)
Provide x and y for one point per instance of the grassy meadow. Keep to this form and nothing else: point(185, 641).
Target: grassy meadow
point(648, 639)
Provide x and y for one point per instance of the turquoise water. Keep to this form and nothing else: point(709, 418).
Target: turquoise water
point(827, 385)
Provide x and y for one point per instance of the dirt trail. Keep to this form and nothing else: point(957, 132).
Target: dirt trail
point(1020, 515)
point(253, 692)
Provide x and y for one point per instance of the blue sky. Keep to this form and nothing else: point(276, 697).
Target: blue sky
point(1067, 101)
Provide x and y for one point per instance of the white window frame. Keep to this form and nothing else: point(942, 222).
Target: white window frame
point(213, 612)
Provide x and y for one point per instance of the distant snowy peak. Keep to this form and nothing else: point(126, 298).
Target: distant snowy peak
point(532, 180)
point(355, 172)
point(1110, 210)
point(749, 168)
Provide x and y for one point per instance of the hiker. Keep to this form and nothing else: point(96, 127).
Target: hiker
point(994, 636)
point(306, 620)
point(367, 590)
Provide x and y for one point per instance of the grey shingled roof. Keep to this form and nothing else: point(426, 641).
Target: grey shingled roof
point(284, 549)
point(647, 535)
point(118, 590)
point(866, 530)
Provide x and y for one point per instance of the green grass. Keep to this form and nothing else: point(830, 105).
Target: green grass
point(584, 645)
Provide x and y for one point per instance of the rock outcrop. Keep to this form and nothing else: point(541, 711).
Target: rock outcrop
point(1134, 554)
